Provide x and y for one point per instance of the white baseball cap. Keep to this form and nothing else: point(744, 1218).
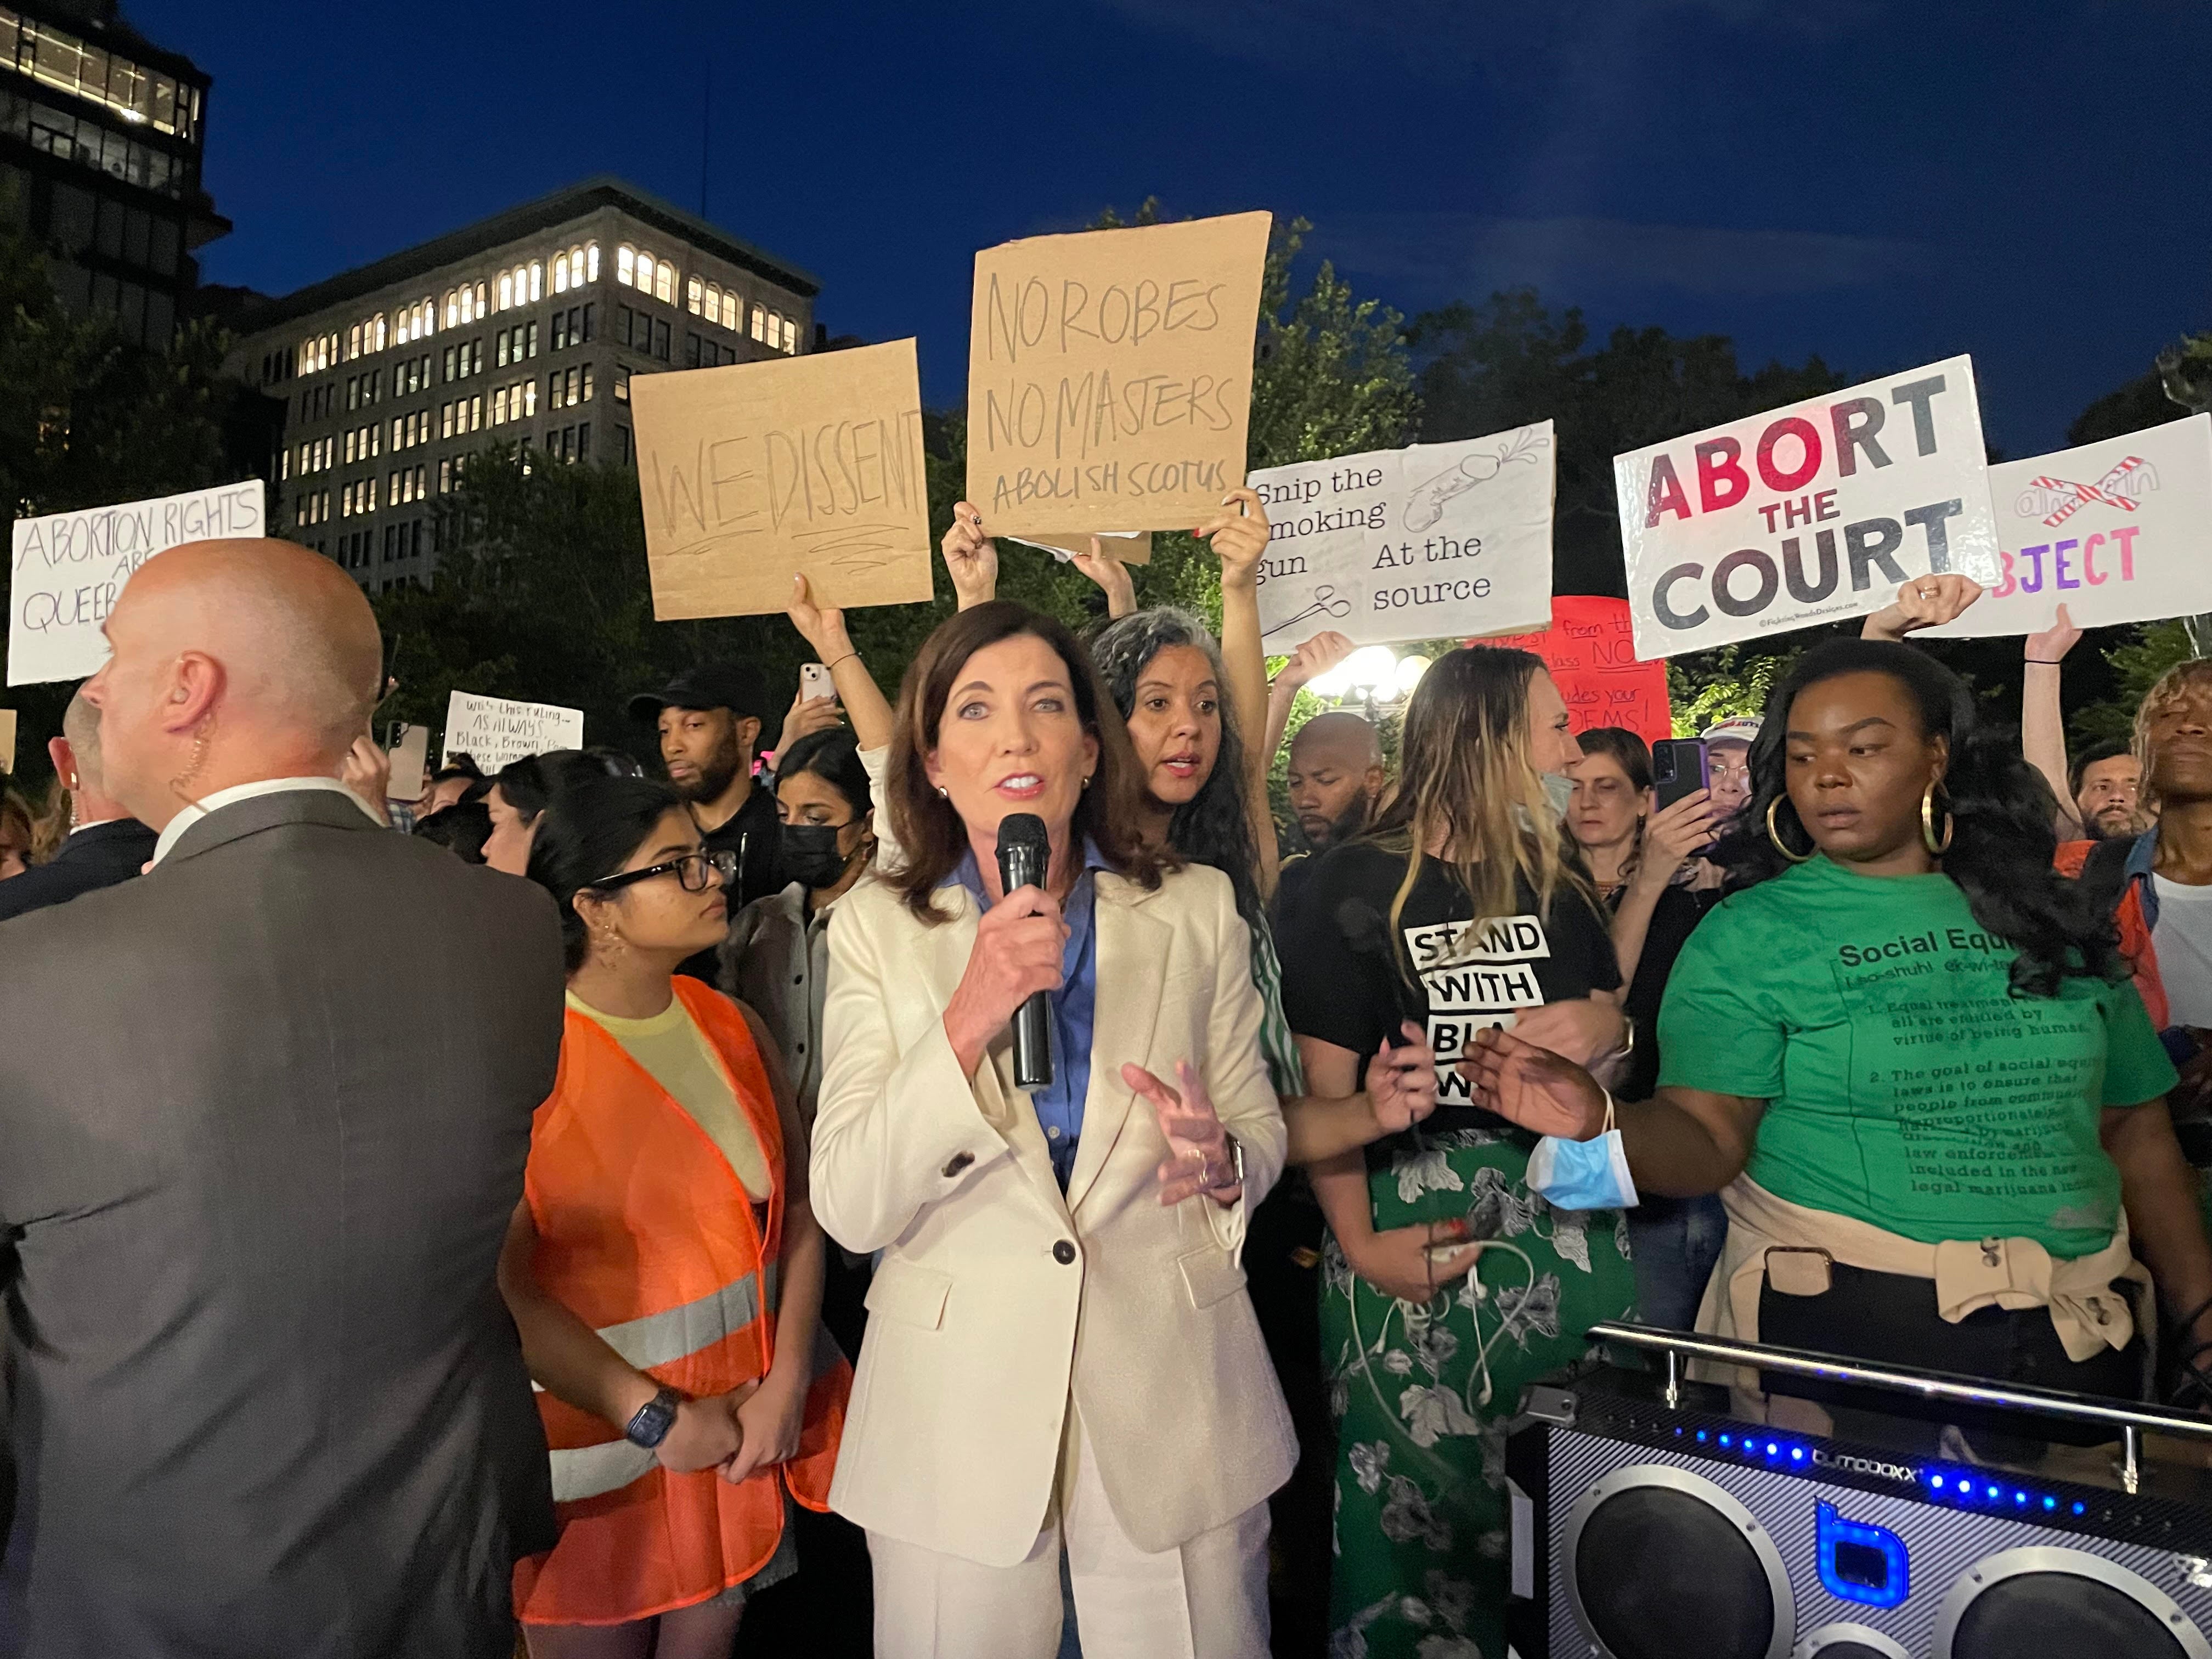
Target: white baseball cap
point(1737, 728)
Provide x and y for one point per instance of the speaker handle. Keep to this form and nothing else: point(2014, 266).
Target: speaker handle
point(2130, 1420)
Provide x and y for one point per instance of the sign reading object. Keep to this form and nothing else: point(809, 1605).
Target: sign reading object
point(1110, 376)
point(1820, 510)
point(68, 567)
point(493, 731)
point(754, 472)
point(1423, 542)
point(2116, 532)
point(1591, 649)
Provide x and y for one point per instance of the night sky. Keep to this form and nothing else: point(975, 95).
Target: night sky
point(1881, 182)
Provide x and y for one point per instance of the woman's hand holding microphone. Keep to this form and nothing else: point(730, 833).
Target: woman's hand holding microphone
point(1018, 944)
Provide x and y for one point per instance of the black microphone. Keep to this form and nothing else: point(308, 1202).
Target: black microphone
point(1024, 851)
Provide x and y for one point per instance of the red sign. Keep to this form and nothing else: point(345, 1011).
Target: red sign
point(1590, 648)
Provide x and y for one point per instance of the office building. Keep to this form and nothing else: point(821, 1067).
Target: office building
point(524, 328)
point(101, 134)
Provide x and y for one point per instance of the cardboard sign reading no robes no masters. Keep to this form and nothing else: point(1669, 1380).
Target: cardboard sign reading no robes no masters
point(1110, 376)
point(753, 471)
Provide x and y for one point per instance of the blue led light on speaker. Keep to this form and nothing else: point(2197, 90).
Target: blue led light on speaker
point(1860, 1563)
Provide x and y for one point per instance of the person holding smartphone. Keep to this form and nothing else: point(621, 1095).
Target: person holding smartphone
point(1636, 851)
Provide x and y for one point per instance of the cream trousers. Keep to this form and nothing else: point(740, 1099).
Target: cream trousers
point(1207, 1599)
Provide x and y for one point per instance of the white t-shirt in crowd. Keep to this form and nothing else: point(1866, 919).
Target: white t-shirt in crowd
point(2183, 941)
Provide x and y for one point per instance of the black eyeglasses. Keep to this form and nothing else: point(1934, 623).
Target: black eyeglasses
point(691, 870)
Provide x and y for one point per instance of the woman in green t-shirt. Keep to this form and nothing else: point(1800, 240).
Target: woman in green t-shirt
point(1907, 1052)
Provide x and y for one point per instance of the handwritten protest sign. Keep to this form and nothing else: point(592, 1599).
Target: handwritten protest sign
point(1110, 376)
point(1423, 542)
point(753, 471)
point(2116, 532)
point(1591, 649)
point(1803, 514)
point(69, 567)
point(495, 731)
point(7, 740)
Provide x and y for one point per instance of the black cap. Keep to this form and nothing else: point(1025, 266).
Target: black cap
point(711, 686)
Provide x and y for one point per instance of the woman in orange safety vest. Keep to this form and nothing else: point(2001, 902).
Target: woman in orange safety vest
point(664, 1268)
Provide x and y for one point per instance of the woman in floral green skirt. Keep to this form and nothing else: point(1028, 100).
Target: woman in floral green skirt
point(1449, 1284)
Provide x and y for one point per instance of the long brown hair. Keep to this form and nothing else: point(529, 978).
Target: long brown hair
point(1466, 782)
point(932, 838)
point(1627, 750)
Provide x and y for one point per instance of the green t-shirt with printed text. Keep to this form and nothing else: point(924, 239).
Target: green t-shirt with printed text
point(1907, 1085)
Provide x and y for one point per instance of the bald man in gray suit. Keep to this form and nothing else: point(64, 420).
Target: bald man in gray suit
point(264, 1113)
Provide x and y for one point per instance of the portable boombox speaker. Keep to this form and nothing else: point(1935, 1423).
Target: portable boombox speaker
point(1650, 1522)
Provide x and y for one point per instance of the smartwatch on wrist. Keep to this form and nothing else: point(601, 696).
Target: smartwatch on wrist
point(650, 1426)
point(1236, 1177)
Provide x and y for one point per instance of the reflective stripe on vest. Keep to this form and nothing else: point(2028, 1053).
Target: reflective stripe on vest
point(663, 1338)
point(659, 1339)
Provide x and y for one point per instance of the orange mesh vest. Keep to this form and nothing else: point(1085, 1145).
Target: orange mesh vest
point(646, 1234)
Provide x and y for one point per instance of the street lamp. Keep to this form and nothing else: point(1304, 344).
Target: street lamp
point(1374, 674)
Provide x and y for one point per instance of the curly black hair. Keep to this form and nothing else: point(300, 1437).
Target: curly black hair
point(2001, 836)
point(1214, 826)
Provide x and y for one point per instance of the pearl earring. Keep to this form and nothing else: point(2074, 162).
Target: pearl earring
point(941, 794)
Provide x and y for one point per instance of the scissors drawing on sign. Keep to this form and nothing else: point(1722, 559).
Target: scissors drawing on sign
point(1325, 602)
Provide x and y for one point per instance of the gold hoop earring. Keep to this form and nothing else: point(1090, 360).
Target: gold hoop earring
point(1774, 834)
point(1927, 823)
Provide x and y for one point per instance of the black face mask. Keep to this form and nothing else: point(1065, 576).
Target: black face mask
point(808, 853)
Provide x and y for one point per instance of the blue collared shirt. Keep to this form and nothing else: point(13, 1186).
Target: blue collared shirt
point(1058, 1105)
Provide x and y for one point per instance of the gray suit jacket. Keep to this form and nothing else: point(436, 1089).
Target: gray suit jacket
point(263, 1119)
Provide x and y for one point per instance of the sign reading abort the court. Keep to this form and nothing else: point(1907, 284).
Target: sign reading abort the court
point(1423, 542)
point(68, 567)
point(1818, 510)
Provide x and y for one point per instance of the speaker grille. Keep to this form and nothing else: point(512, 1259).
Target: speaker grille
point(1631, 1538)
point(2051, 1600)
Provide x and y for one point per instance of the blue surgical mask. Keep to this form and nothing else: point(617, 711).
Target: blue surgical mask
point(1558, 793)
point(1583, 1174)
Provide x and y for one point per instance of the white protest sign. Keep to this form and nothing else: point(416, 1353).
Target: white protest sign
point(2116, 532)
point(1428, 541)
point(495, 731)
point(69, 567)
point(1803, 514)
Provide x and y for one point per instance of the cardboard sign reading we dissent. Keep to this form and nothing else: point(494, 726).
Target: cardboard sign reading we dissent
point(754, 472)
point(1591, 649)
point(1110, 376)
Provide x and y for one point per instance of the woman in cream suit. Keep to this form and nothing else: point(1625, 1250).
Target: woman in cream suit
point(1060, 1356)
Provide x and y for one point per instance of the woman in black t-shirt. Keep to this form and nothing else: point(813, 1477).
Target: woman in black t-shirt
point(1465, 907)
